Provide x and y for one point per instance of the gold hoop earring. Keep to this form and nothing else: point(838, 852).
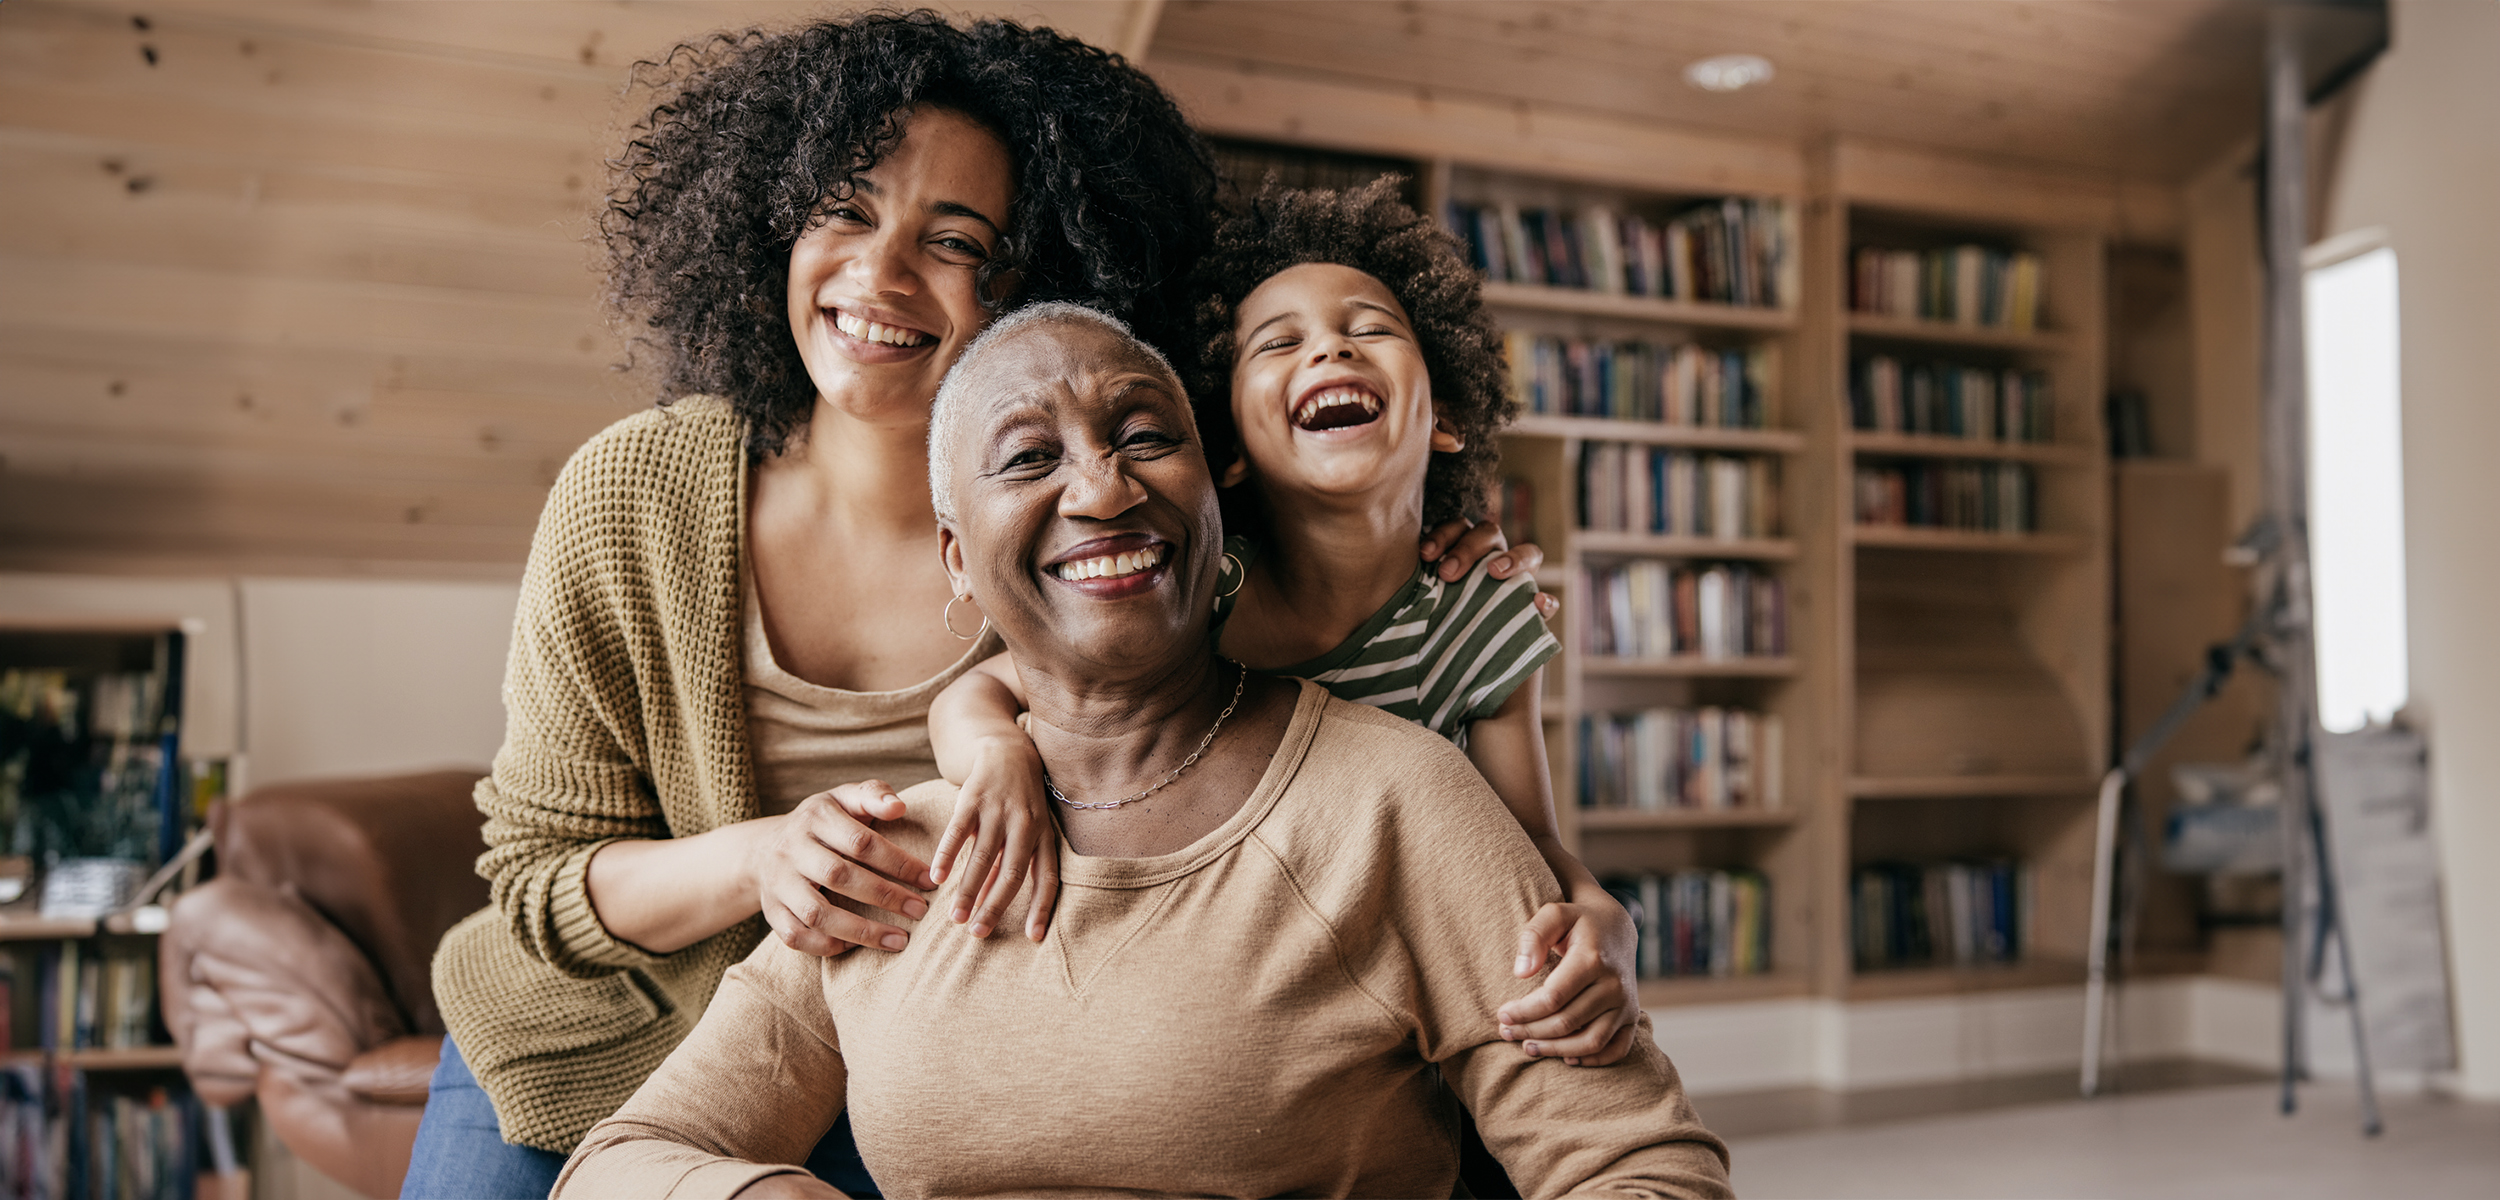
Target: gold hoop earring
point(948, 616)
point(1241, 575)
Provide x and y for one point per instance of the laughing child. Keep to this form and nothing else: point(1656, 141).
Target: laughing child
point(1349, 387)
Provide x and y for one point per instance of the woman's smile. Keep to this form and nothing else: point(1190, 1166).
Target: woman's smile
point(1111, 567)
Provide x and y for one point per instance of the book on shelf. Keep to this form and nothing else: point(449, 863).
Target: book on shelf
point(68, 1136)
point(1514, 509)
point(1943, 399)
point(1680, 384)
point(1939, 914)
point(1630, 488)
point(1989, 497)
point(1699, 922)
point(96, 996)
point(1681, 759)
point(1645, 608)
point(1734, 250)
point(90, 748)
point(1960, 285)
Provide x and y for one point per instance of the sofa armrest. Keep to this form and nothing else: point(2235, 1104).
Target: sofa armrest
point(391, 861)
point(399, 1071)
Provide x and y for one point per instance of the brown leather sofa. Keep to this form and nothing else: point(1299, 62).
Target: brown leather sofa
point(301, 974)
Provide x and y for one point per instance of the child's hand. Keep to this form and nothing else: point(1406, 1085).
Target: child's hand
point(1585, 1013)
point(1458, 546)
point(1002, 816)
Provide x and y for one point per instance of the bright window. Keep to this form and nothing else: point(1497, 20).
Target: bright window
point(2356, 490)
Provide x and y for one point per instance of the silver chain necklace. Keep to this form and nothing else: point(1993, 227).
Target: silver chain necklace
point(1174, 773)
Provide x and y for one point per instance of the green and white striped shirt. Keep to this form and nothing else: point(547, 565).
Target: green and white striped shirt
point(1439, 654)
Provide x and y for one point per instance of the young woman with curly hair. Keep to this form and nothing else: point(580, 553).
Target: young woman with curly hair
point(733, 601)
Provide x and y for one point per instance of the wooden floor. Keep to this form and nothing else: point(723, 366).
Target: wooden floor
point(1793, 1110)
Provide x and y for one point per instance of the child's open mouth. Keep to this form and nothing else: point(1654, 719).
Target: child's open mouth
point(1336, 408)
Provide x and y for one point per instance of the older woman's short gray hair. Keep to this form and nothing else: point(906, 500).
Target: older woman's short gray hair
point(946, 413)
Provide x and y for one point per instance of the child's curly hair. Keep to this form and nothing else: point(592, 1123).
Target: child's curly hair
point(750, 133)
point(1372, 230)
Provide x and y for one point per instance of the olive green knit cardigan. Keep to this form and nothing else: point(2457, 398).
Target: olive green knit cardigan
point(625, 718)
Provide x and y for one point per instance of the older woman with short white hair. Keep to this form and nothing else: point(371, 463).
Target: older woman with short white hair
point(1271, 947)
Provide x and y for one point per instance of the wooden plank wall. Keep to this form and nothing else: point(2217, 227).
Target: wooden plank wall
point(305, 287)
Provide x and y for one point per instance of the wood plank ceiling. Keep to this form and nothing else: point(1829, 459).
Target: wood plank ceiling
point(2149, 89)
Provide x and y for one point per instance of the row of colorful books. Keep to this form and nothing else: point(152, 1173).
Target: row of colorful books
point(1940, 913)
point(1627, 488)
point(1667, 759)
point(1640, 381)
point(1964, 285)
point(63, 1139)
point(1697, 922)
point(1989, 496)
point(1730, 251)
point(1887, 395)
point(86, 998)
point(1651, 609)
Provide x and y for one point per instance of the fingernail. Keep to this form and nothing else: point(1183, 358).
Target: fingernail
point(915, 908)
point(1523, 966)
point(1510, 1033)
point(980, 931)
point(1530, 1047)
point(959, 914)
point(896, 941)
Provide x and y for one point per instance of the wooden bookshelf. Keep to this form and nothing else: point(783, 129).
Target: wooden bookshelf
point(1917, 788)
point(1910, 537)
point(1972, 700)
point(1689, 667)
point(1696, 437)
point(1642, 820)
point(1947, 333)
point(1607, 544)
point(1919, 445)
point(129, 1058)
point(1582, 302)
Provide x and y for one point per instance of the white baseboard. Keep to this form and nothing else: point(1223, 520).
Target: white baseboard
point(1807, 1042)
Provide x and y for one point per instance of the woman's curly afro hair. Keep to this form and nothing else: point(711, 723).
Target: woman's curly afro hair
point(1372, 230)
point(750, 133)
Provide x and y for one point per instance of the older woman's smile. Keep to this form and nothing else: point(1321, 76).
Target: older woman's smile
point(1127, 562)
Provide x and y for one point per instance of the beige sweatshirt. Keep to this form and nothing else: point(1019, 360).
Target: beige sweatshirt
point(1257, 1014)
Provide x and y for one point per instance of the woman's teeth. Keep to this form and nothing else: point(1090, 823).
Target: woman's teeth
point(1111, 566)
point(1336, 408)
point(870, 331)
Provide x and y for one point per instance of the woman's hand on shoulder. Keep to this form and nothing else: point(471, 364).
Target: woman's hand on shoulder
point(1001, 834)
point(1585, 1013)
point(1458, 546)
point(826, 848)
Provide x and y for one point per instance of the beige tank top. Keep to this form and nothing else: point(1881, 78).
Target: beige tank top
point(807, 738)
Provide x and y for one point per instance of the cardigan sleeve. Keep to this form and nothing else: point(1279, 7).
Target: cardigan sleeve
point(574, 773)
point(751, 1090)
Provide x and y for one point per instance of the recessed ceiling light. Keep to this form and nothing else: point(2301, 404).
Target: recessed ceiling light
point(1728, 72)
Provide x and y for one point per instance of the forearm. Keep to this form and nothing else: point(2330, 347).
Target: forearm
point(666, 895)
point(1578, 884)
point(976, 711)
point(758, 1082)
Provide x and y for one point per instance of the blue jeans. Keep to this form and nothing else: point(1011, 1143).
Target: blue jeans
point(461, 1152)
